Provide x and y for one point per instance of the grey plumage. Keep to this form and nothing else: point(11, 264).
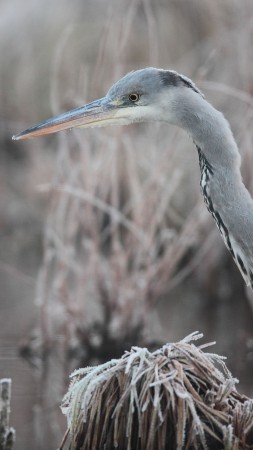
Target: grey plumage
point(163, 95)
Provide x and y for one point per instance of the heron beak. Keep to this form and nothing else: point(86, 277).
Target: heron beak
point(95, 114)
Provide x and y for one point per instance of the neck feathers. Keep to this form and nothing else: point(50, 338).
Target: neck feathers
point(208, 128)
point(225, 195)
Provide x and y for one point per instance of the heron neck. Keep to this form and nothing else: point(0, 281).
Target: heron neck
point(209, 130)
point(225, 195)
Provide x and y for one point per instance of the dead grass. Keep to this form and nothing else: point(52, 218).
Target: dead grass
point(177, 397)
point(119, 233)
point(107, 267)
point(124, 222)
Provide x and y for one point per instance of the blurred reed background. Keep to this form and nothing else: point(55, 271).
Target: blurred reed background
point(105, 239)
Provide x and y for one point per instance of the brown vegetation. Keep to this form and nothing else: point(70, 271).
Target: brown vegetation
point(113, 218)
point(177, 397)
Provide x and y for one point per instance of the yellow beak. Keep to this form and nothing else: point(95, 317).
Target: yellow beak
point(98, 113)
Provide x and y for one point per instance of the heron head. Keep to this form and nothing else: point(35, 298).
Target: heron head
point(140, 96)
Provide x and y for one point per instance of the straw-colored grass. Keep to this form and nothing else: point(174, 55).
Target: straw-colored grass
point(125, 219)
point(120, 216)
point(177, 397)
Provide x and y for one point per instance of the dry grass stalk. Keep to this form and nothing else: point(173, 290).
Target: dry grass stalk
point(114, 240)
point(177, 397)
point(112, 243)
point(116, 254)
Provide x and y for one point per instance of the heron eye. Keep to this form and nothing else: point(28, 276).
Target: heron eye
point(134, 97)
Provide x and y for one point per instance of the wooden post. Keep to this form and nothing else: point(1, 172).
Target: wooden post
point(7, 434)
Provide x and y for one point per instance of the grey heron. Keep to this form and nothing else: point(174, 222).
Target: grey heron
point(164, 95)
